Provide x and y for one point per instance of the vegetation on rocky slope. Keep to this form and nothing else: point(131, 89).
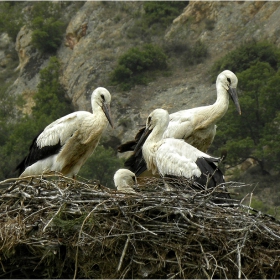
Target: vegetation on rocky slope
point(138, 66)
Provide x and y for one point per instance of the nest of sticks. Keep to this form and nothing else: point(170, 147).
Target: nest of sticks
point(55, 227)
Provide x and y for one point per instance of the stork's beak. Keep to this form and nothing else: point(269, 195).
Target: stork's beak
point(142, 139)
point(107, 112)
point(233, 94)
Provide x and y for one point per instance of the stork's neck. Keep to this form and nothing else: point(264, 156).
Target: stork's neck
point(150, 147)
point(214, 112)
point(95, 106)
point(157, 134)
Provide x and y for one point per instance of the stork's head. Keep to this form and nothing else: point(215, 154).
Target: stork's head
point(159, 118)
point(157, 123)
point(102, 98)
point(124, 179)
point(229, 81)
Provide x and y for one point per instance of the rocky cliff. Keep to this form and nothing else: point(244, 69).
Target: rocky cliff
point(97, 35)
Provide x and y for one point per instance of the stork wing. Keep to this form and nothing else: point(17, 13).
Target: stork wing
point(175, 157)
point(61, 129)
point(180, 125)
point(52, 138)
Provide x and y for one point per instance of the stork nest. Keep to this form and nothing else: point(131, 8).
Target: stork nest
point(55, 227)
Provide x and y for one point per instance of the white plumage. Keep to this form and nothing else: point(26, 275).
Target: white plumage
point(124, 179)
point(196, 126)
point(174, 157)
point(65, 144)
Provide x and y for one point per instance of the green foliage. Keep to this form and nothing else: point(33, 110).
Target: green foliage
point(102, 166)
point(49, 21)
point(157, 16)
point(190, 54)
point(136, 66)
point(47, 35)
point(51, 99)
point(68, 223)
point(247, 55)
point(8, 115)
point(11, 18)
point(265, 208)
point(162, 12)
point(256, 132)
point(46, 9)
point(44, 18)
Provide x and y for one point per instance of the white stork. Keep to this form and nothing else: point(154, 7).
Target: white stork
point(175, 157)
point(65, 144)
point(124, 179)
point(196, 126)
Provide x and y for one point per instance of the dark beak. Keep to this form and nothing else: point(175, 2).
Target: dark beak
point(142, 140)
point(107, 112)
point(233, 94)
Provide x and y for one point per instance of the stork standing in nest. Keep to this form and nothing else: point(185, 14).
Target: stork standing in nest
point(174, 157)
point(196, 126)
point(65, 144)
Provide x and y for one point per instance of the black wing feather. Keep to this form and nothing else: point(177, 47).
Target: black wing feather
point(127, 146)
point(136, 163)
point(130, 145)
point(212, 173)
point(209, 169)
point(36, 153)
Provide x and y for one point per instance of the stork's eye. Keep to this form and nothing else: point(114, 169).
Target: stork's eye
point(102, 96)
point(228, 79)
point(149, 119)
point(134, 178)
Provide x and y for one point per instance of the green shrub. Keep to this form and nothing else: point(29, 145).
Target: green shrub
point(11, 18)
point(48, 25)
point(134, 65)
point(162, 12)
point(189, 54)
point(156, 17)
point(51, 101)
point(46, 9)
point(47, 34)
point(247, 55)
point(195, 54)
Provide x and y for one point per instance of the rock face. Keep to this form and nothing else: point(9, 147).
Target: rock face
point(225, 25)
point(97, 35)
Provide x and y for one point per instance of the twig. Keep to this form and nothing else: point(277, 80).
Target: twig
point(271, 232)
point(34, 213)
point(52, 217)
point(80, 232)
point(123, 252)
point(145, 228)
point(238, 261)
